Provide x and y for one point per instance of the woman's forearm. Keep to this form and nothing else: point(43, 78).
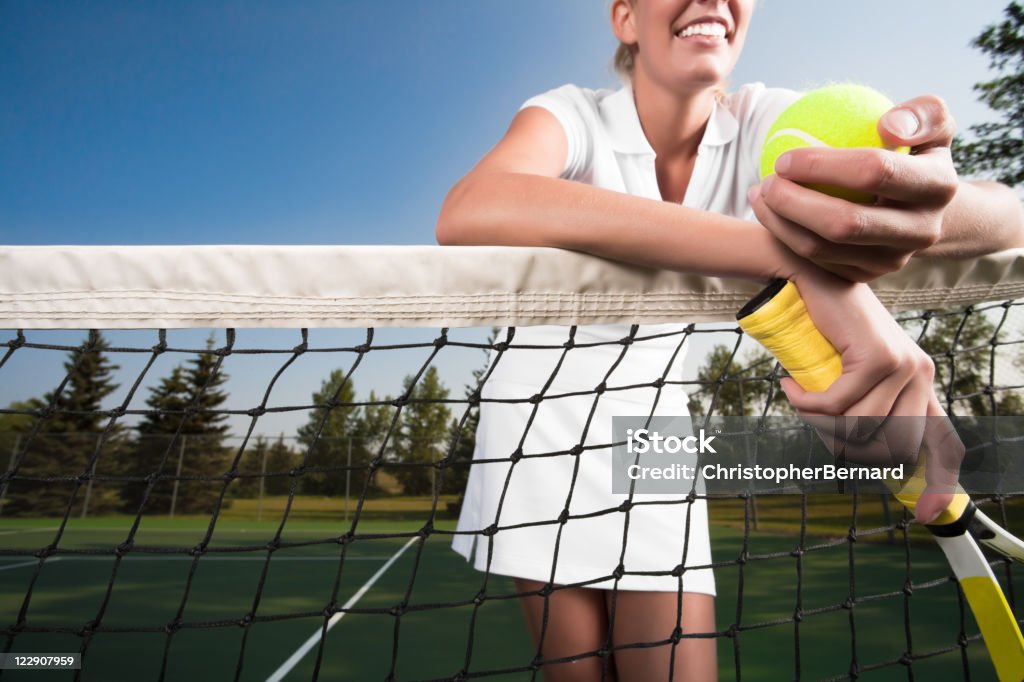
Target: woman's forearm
point(982, 218)
point(518, 209)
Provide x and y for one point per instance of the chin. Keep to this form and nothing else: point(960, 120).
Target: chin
point(702, 81)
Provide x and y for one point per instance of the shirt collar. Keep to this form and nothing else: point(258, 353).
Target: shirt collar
point(627, 135)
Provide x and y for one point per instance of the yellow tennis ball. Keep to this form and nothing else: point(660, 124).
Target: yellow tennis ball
point(834, 116)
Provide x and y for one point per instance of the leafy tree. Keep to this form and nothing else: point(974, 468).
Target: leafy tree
point(67, 437)
point(998, 148)
point(423, 433)
point(731, 388)
point(19, 417)
point(961, 348)
point(456, 476)
point(15, 423)
point(186, 426)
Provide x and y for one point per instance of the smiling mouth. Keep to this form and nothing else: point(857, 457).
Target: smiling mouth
point(710, 29)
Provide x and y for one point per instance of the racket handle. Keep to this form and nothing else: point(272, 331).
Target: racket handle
point(778, 319)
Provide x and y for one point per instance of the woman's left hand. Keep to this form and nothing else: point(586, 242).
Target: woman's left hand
point(856, 241)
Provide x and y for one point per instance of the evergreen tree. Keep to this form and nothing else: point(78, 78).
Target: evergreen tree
point(370, 430)
point(250, 466)
point(328, 446)
point(280, 458)
point(66, 440)
point(998, 148)
point(184, 426)
point(423, 433)
point(730, 388)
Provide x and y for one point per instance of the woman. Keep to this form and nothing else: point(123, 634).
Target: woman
point(663, 173)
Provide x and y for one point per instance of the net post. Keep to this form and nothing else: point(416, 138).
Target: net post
point(177, 476)
point(10, 466)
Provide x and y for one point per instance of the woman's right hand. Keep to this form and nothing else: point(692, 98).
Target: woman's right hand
point(885, 375)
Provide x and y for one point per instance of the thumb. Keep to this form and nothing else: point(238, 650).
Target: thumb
point(921, 123)
point(944, 452)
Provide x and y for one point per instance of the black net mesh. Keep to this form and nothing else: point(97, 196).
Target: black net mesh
point(174, 507)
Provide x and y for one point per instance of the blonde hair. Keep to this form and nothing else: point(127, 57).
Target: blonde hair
point(623, 61)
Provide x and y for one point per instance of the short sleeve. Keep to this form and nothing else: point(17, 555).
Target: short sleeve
point(569, 105)
point(761, 106)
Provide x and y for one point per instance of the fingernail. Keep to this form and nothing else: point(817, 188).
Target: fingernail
point(753, 192)
point(783, 163)
point(901, 122)
point(766, 184)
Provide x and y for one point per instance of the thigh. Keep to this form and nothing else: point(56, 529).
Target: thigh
point(576, 623)
point(640, 617)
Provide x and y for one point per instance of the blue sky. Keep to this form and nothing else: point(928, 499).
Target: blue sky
point(346, 122)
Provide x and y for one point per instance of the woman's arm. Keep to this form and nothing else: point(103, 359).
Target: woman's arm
point(514, 197)
point(983, 217)
point(924, 209)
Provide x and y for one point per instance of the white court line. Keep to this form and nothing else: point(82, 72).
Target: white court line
point(294, 659)
point(29, 563)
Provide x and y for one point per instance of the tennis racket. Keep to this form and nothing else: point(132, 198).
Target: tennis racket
point(778, 319)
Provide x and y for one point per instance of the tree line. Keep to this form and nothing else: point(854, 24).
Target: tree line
point(178, 456)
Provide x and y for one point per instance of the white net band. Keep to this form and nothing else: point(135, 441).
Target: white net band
point(50, 287)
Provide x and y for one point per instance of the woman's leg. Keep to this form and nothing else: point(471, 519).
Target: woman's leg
point(577, 623)
point(651, 617)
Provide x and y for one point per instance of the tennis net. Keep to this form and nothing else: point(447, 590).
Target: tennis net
point(247, 463)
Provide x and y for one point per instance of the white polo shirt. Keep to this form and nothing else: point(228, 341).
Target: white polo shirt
point(607, 148)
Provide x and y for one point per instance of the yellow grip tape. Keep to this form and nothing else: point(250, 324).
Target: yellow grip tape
point(783, 326)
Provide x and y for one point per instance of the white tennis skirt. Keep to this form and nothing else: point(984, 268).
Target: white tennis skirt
point(510, 518)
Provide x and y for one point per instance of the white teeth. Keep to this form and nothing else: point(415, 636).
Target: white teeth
point(709, 29)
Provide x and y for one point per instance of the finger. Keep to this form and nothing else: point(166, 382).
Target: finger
point(848, 390)
point(921, 123)
point(927, 179)
point(900, 394)
point(829, 230)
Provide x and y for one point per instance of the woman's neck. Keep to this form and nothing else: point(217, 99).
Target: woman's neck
point(673, 122)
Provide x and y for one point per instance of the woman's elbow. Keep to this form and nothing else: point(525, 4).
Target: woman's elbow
point(449, 230)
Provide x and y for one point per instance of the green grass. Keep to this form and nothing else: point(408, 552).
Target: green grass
point(432, 642)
